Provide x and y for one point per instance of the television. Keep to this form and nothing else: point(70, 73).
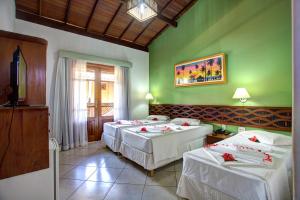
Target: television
point(18, 78)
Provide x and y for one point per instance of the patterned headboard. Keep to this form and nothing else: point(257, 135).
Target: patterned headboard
point(273, 118)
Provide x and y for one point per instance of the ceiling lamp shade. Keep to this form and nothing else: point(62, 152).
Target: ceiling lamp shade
point(142, 10)
point(242, 94)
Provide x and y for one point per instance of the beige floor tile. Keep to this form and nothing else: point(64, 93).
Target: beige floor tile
point(168, 168)
point(90, 190)
point(92, 161)
point(125, 192)
point(67, 187)
point(114, 162)
point(162, 178)
point(71, 160)
point(80, 173)
point(63, 169)
point(178, 165)
point(159, 193)
point(109, 175)
point(132, 176)
point(178, 175)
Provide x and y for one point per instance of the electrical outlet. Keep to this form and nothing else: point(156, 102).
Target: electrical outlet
point(241, 129)
point(223, 127)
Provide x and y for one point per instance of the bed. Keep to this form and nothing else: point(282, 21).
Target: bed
point(112, 130)
point(156, 146)
point(256, 168)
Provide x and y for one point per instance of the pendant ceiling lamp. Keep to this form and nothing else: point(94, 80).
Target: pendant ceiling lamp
point(142, 10)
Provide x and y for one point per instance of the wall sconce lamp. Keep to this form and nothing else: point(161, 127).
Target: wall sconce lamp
point(241, 94)
point(149, 96)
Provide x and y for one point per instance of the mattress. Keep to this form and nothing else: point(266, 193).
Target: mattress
point(144, 142)
point(202, 178)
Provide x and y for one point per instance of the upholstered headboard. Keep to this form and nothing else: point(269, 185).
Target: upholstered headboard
point(273, 118)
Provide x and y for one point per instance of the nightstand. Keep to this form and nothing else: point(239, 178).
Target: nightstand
point(216, 137)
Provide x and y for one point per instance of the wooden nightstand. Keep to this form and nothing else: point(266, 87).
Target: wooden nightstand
point(216, 137)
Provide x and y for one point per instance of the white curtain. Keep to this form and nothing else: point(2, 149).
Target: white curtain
point(121, 93)
point(69, 104)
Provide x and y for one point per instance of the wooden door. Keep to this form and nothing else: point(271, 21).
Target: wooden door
point(100, 94)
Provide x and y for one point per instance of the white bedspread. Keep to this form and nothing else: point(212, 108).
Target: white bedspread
point(164, 144)
point(113, 129)
point(202, 171)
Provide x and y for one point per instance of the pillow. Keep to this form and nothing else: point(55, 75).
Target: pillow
point(186, 122)
point(266, 137)
point(158, 117)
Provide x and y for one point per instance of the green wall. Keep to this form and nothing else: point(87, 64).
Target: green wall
point(255, 35)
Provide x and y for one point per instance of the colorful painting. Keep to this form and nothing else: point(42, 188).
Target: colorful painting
point(207, 70)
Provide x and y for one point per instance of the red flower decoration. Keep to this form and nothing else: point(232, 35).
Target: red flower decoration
point(119, 122)
point(254, 139)
point(155, 119)
point(267, 157)
point(185, 124)
point(144, 129)
point(228, 157)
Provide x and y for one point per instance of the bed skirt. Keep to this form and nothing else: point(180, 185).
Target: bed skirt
point(146, 159)
point(194, 190)
point(111, 142)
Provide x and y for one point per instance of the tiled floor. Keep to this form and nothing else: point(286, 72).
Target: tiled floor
point(95, 173)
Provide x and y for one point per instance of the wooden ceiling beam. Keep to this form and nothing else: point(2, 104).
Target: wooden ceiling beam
point(144, 29)
point(188, 6)
point(158, 34)
point(67, 13)
point(91, 15)
point(34, 18)
point(167, 20)
point(127, 27)
point(163, 8)
point(113, 18)
point(40, 7)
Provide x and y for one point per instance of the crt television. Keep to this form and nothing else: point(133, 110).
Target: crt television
point(18, 78)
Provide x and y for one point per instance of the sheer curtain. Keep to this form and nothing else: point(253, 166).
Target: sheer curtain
point(69, 104)
point(121, 93)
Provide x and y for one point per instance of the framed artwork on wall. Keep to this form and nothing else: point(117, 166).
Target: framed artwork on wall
point(202, 71)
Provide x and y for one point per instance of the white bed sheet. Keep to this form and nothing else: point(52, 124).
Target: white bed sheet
point(202, 178)
point(167, 145)
point(112, 132)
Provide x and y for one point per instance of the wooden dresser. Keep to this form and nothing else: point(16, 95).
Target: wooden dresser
point(24, 132)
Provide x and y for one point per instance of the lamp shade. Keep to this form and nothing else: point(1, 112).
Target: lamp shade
point(149, 96)
point(242, 94)
point(142, 10)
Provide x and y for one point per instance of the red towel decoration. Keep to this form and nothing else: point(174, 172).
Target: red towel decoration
point(267, 157)
point(185, 124)
point(144, 129)
point(254, 139)
point(228, 157)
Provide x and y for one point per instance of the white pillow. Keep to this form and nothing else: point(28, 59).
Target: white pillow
point(158, 117)
point(269, 138)
point(186, 121)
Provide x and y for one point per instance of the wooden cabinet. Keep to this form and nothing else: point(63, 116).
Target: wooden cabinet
point(24, 133)
point(23, 140)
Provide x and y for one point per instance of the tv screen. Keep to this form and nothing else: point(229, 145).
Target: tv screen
point(22, 77)
point(18, 78)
